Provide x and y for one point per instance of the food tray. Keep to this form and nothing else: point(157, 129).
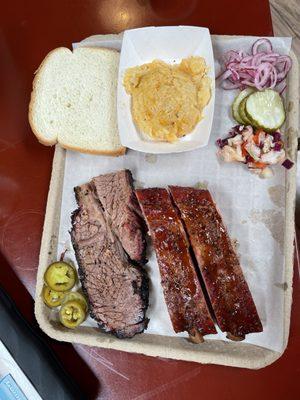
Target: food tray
point(211, 351)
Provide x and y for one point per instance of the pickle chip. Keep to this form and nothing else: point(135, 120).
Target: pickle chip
point(236, 104)
point(265, 109)
point(71, 314)
point(60, 276)
point(242, 111)
point(51, 297)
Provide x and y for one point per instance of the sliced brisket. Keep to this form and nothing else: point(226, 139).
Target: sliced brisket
point(117, 290)
point(228, 291)
point(121, 209)
point(184, 298)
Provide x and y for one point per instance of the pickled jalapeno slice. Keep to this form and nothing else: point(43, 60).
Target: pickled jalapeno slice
point(60, 276)
point(51, 297)
point(71, 314)
point(78, 297)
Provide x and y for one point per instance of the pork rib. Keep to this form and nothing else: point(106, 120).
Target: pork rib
point(228, 291)
point(121, 209)
point(117, 291)
point(184, 298)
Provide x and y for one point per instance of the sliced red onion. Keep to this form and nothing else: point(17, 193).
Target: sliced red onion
point(246, 60)
point(287, 164)
point(228, 85)
point(277, 146)
point(248, 158)
point(256, 60)
point(234, 75)
point(276, 136)
point(231, 54)
point(281, 86)
point(224, 75)
point(259, 42)
point(262, 75)
point(248, 83)
point(273, 78)
point(262, 69)
point(235, 130)
point(282, 89)
point(221, 143)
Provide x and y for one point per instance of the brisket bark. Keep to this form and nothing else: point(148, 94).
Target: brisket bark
point(117, 291)
point(122, 212)
point(183, 295)
point(228, 291)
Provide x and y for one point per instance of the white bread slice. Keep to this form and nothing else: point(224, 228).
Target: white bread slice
point(73, 101)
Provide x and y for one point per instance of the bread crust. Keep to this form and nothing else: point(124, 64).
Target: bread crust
point(120, 151)
point(114, 153)
point(32, 102)
point(103, 49)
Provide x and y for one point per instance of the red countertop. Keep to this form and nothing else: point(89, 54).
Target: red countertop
point(28, 31)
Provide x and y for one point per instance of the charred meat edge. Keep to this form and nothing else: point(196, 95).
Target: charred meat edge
point(134, 207)
point(143, 292)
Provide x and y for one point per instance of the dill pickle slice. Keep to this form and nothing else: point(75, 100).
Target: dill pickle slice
point(236, 104)
point(265, 110)
point(242, 112)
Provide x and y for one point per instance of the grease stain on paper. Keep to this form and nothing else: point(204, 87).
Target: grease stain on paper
point(282, 286)
point(151, 158)
point(277, 195)
point(290, 106)
point(273, 221)
point(201, 185)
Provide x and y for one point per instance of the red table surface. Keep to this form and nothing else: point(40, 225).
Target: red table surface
point(28, 31)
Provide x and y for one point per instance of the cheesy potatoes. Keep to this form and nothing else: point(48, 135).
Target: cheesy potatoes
point(168, 100)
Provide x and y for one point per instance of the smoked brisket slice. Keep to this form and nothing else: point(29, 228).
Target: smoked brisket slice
point(228, 291)
point(183, 295)
point(121, 209)
point(117, 291)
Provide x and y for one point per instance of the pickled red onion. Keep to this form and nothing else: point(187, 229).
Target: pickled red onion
point(263, 69)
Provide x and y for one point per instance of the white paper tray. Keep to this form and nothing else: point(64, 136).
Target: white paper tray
point(212, 351)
